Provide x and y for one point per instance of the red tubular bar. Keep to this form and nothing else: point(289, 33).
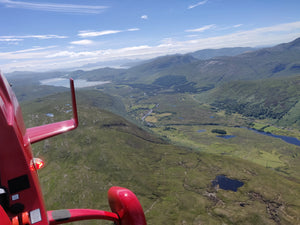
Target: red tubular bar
point(40, 133)
point(125, 203)
point(74, 104)
point(72, 215)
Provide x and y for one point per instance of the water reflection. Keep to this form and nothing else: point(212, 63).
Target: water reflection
point(201, 131)
point(226, 183)
point(226, 136)
point(290, 140)
point(79, 83)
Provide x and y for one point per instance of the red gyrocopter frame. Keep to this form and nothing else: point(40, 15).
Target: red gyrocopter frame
point(21, 199)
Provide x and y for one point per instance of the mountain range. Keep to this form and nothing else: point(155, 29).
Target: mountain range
point(212, 74)
point(270, 75)
point(207, 67)
point(214, 66)
point(281, 60)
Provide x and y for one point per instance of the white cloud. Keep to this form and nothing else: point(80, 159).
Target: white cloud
point(15, 39)
point(250, 38)
point(34, 49)
point(25, 51)
point(133, 29)
point(202, 29)
point(46, 36)
point(192, 36)
point(229, 27)
point(82, 42)
point(144, 17)
point(237, 25)
point(97, 33)
point(85, 34)
point(32, 53)
point(10, 39)
point(55, 7)
point(198, 4)
point(73, 54)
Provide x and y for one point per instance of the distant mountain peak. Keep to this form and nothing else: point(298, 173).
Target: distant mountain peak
point(296, 41)
point(295, 44)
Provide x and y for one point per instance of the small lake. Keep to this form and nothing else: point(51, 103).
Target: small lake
point(63, 82)
point(226, 183)
point(201, 131)
point(226, 136)
point(50, 115)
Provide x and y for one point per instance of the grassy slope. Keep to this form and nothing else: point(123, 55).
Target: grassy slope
point(212, 53)
point(172, 183)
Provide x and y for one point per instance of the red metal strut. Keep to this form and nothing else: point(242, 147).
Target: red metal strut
point(72, 215)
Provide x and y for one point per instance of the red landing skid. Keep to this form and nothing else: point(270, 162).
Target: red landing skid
point(125, 206)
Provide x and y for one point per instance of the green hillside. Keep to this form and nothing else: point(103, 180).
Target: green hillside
point(274, 98)
point(104, 74)
point(174, 184)
point(212, 53)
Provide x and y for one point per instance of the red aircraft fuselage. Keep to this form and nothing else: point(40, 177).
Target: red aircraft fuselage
point(19, 182)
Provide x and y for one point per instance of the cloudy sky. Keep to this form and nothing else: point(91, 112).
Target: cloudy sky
point(39, 35)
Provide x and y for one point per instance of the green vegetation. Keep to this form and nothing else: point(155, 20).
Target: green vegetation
point(137, 107)
point(270, 98)
point(170, 80)
point(219, 131)
point(172, 183)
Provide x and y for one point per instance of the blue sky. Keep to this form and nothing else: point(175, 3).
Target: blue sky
point(39, 35)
